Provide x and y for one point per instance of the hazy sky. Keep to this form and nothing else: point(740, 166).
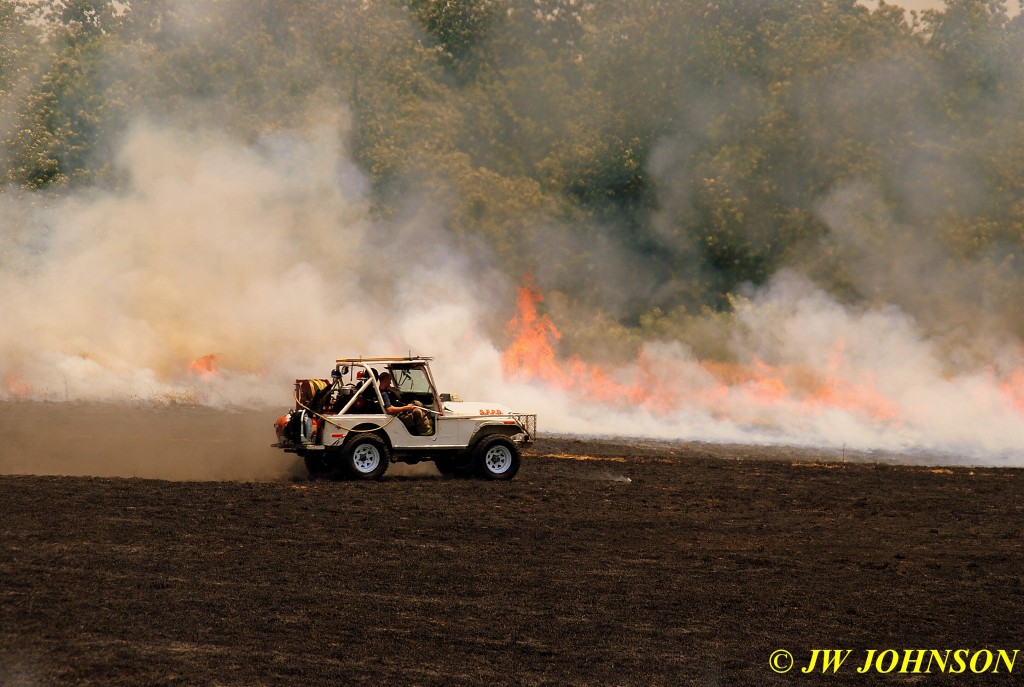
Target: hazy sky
point(930, 4)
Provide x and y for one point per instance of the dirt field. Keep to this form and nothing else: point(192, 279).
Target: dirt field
point(603, 563)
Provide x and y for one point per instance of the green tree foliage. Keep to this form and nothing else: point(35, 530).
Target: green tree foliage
point(21, 58)
point(646, 159)
point(458, 27)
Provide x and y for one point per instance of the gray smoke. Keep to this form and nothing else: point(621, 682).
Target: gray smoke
point(263, 258)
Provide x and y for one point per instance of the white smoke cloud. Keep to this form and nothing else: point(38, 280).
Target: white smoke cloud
point(265, 259)
point(810, 372)
point(266, 255)
point(903, 396)
point(251, 253)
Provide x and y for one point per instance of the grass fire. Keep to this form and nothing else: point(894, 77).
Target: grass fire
point(758, 247)
point(745, 276)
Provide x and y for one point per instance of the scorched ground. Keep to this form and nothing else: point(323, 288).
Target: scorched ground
point(602, 564)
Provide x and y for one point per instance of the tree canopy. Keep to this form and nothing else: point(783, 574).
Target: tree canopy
point(646, 160)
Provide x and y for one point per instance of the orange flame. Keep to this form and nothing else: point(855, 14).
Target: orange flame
point(17, 386)
point(859, 396)
point(1012, 387)
point(532, 356)
point(724, 389)
point(532, 353)
point(204, 367)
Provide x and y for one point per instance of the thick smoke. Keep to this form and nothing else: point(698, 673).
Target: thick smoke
point(820, 373)
point(259, 261)
point(217, 274)
point(221, 268)
point(264, 258)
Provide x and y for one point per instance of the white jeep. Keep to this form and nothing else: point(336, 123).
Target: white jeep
point(340, 426)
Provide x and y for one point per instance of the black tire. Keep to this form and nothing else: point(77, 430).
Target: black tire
point(316, 466)
point(365, 457)
point(496, 457)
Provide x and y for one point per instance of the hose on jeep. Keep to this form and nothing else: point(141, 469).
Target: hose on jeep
point(329, 421)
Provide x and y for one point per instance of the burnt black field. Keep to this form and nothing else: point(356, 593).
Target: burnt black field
point(602, 563)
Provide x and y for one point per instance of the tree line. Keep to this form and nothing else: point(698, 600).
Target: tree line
point(680, 150)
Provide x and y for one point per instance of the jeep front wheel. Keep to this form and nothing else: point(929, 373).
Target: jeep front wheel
point(365, 457)
point(497, 458)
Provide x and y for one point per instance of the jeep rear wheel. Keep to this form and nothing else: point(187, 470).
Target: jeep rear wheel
point(316, 466)
point(365, 457)
point(497, 458)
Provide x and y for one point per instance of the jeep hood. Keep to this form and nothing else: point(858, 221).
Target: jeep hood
point(475, 408)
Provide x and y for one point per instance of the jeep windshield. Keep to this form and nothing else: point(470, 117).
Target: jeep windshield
point(414, 384)
point(411, 379)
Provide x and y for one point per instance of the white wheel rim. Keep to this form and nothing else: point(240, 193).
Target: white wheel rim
point(366, 458)
point(498, 459)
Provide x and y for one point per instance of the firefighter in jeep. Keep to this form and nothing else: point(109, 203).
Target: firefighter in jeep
point(414, 417)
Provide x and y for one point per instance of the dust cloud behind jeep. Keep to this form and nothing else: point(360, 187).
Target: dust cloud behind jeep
point(340, 426)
